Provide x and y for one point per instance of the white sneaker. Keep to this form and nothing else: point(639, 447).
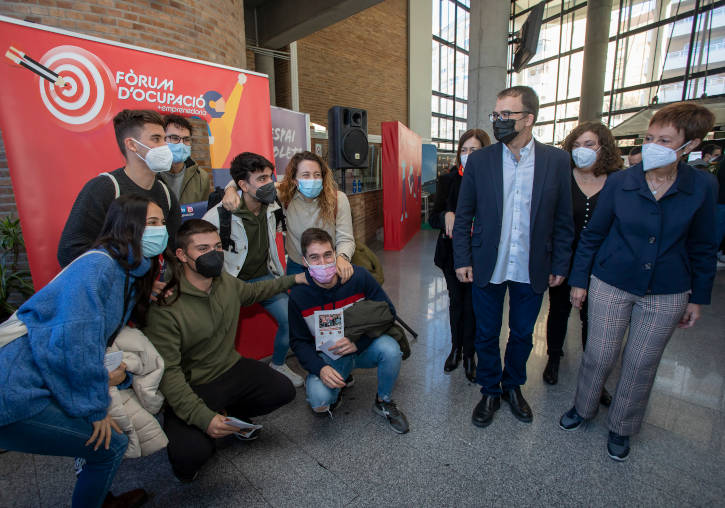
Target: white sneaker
point(296, 379)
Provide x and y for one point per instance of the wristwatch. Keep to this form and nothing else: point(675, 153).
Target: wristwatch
point(344, 256)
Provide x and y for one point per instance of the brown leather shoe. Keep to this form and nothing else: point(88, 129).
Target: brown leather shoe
point(131, 499)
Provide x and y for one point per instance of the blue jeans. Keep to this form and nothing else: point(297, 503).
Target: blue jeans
point(277, 306)
point(294, 268)
point(524, 305)
point(720, 224)
point(53, 432)
point(383, 353)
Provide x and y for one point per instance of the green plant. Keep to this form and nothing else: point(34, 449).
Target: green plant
point(15, 285)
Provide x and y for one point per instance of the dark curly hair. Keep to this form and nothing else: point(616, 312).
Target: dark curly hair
point(609, 158)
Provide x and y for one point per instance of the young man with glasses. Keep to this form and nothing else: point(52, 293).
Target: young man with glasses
point(189, 183)
point(519, 192)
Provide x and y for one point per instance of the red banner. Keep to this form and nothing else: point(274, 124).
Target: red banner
point(401, 184)
point(59, 93)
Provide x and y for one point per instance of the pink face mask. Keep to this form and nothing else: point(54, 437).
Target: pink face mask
point(322, 273)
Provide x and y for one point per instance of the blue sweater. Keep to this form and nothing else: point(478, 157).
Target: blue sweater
point(69, 322)
point(305, 300)
point(640, 245)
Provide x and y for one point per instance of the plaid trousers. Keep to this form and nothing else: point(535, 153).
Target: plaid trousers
point(651, 320)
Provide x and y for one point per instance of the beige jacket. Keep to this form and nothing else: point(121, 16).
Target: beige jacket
point(133, 408)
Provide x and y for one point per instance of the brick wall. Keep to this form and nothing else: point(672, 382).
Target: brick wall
point(362, 62)
point(367, 214)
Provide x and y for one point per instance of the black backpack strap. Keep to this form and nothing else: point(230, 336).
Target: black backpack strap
point(225, 229)
point(279, 215)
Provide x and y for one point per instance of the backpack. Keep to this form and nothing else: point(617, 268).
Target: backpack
point(225, 218)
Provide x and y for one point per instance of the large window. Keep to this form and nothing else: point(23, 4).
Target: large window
point(659, 50)
point(449, 102)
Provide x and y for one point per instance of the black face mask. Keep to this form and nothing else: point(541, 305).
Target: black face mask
point(266, 193)
point(504, 130)
point(210, 264)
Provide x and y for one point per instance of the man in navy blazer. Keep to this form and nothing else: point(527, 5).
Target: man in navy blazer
point(513, 230)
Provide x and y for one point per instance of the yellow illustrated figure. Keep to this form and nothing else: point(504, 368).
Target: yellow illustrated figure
point(223, 115)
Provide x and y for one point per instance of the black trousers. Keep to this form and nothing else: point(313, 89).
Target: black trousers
point(463, 320)
point(250, 388)
point(559, 309)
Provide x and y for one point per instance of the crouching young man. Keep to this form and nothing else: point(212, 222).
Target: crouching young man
point(205, 378)
point(324, 291)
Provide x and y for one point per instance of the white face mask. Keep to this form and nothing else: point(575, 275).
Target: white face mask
point(157, 159)
point(584, 157)
point(655, 156)
point(464, 158)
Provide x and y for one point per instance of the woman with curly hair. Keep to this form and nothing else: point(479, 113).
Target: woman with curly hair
point(594, 155)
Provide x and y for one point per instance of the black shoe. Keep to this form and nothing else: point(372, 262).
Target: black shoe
point(483, 413)
point(618, 447)
point(551, 372)
point(606, 399)
point(453, 360)
point(469, 365)
point(349, 381)
point(131, 499)
point(519, 407)
point(389, 410)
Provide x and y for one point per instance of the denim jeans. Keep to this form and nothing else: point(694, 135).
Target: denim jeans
point(294, 268)
point(277, 306)
point(53, 432)
point(383, 353)
point(524, 305)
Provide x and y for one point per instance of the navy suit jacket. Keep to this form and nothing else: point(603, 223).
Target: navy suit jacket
point(640, 245)
point(552, 222)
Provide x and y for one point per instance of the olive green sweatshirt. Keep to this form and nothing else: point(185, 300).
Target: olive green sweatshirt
point(195, 337)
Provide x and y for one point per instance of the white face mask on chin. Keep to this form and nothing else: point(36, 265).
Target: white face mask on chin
point(157, 159)
point(655, 156)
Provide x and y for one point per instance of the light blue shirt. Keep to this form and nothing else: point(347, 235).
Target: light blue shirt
point(512, 262)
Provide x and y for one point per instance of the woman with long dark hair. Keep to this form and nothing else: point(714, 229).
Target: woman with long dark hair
point(53, 383)
point(595, 155)
point(460, 307)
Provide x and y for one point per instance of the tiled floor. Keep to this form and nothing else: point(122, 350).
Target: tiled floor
point(356, 460)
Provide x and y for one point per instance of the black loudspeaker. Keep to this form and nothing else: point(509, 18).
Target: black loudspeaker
point(347, 137)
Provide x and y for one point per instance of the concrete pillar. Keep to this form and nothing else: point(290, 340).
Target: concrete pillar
point(595, 60)
point(487, 62)
point(420, 68)
point(265, 64)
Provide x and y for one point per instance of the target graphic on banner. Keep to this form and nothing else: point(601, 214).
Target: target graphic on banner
point(85, 101)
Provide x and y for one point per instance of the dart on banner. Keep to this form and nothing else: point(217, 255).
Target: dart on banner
point(60, 93)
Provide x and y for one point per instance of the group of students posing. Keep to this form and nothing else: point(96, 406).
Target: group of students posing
point(511, 214)
point(630, 249)
point(167, 295)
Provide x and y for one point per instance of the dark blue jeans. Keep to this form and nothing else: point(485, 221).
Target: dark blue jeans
point(53, 432)
point(524, 305)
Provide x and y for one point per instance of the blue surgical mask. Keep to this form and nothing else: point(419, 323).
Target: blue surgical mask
point(310, 188)
point(180, 151)
point(584, 157)
point(154, 240)
point(464, 159)
point(655, 156)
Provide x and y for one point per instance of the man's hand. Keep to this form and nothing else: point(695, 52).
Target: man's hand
point(465, 274)
point(300, 278)
point(116, 377)
point(231, 199)
point(692, 314)
point(577, 297)
point(218, 429)
point(555, 280)
point(450, 218)
point(157, 288)
point(331, 377)
point(344, 269)
point(344, 347)
point(102, 432)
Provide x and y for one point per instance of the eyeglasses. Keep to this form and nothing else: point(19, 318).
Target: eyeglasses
point(504, 115)
point(173, 138)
